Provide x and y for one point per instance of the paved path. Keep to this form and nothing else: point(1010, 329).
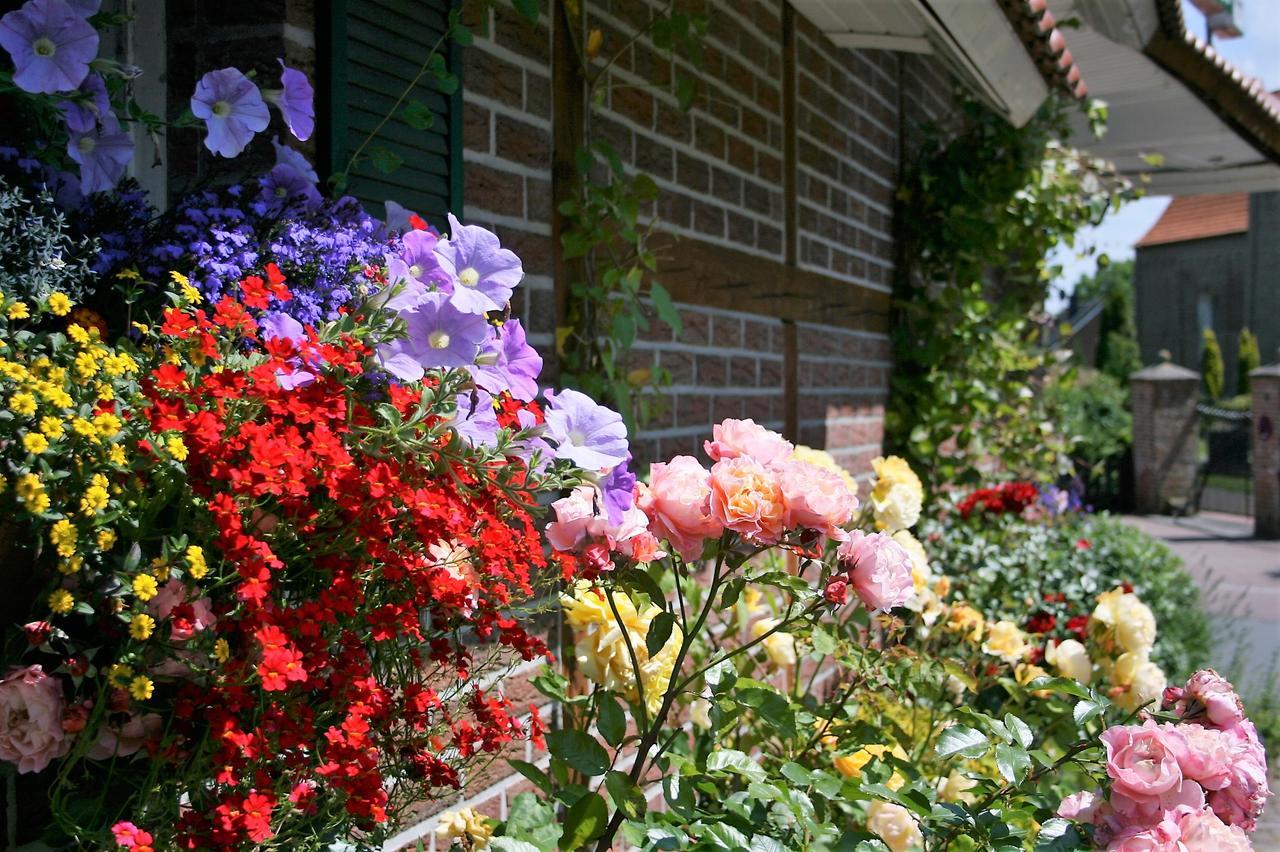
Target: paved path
point(1239, 580)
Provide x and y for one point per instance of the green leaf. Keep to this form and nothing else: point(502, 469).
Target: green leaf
point(1012, 761)
point(611, 721)
point(963, 741)
point(732, 760)
point(535, 775)
point(580, 750)
point(659, 632)
point(531, 820)
point(527, 8)
point(1084, 711)
point(796, 774)
point(823, 642)
point(1058, 835)
point(686, 91)
point(627, 796)
point(385, 160)
point(771, 707)
point(1019, 729)
point(1058, 684)
point(418, 115)
point(461, 34)
point(584, 822)
point(665, 308)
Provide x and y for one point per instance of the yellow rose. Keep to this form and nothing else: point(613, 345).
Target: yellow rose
point(1137, 681)
point(955, 787)
point(466, 823)
point(602, 649)
point(898, 496)
point(967, 620)
point(780, 646)
point(1071, 659)
point(851, 765)
point(895, 825)
point(921, 576)
point(1005, 640)
point(700, 712)
point(1122, 619)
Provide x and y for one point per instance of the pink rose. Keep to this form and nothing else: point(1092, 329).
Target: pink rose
point(1208, 688)
point(816, 499)
point(1202, 831)
point(678, 503)
point(879, 569)
point(1203, 754)
point(1141, 763)
point(126, 739)
point(1161, 837)
point(1080, 807)
point(576, 519)
point(734, 438)
point(31, 707)
point(1242, 800)
point(173, 595)
point(746, 498)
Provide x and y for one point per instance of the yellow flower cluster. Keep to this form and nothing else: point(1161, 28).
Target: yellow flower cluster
point(898, 495)
point(600, 642)
point(1123, 628)
point(467, 825)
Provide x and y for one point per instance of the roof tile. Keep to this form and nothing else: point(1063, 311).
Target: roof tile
point(1195, 217)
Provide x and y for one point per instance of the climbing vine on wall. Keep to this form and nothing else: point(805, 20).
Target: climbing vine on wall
point(978, 212)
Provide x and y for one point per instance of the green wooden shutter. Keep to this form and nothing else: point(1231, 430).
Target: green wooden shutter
point(376, 48)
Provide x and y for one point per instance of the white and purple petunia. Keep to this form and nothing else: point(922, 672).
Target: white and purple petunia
point(585, 432)
point(232, 109)
point(508, 363)
point(484, 272)
point(51, 45)
point(439, 335)
point(476, 421)
point(423, 263)
point(103, 154)
point(296, 101)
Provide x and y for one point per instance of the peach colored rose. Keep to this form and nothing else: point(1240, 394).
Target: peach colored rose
point(879, 569)
point(678, 503)
point(735, 438)
point(31, 707)
point(1203, 754)
point(1202, 831)
point(746, 498)
point(816, 499)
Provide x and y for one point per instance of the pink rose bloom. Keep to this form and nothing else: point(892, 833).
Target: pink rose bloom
point(1080, 807)
point(746, 498)
point(1141, 762)
point(1203, 754)
point(734, 438)
point(1242, 800)
point(1215, 692)
point(1161, 837)
point(576, 519)
point(172, 595)
point(816, 499)
point(31, 706)
point(127, 739)
point(678, 503)
point(632, 537)
point(1202, 831)
point(879, 569)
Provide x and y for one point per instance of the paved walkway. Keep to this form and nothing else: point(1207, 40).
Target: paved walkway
point(1239, 580)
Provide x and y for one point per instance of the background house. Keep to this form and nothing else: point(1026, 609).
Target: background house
point(1210, 261)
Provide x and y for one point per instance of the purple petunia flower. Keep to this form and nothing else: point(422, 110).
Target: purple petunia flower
point(439, 335)
point(85, 8)
point(81, 115)
point(476, 421)
point(585, 432)
point(51, 46)
point(484, 272)
point(232, 109)
point(618, 491)
point(400, 219)
point(277, 324)
point(423, 263)
point(296, 160)
point(509, 363)
point(103, 154)
point(296, 101)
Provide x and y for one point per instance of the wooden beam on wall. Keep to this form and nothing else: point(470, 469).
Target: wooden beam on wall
point(568, 117)
point(791, 219)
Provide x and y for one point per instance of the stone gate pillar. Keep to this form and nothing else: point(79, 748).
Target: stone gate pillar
point(1165, 435)
point(1265, 385)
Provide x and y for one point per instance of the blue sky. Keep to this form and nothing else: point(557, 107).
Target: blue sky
point(1256, 53)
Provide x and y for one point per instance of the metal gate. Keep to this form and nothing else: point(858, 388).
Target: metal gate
point(1225, 479)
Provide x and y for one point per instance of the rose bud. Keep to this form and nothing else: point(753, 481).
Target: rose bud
point(37, 632)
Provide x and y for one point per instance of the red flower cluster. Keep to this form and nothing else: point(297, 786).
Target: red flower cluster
point(1006, 497)
point(349, 572)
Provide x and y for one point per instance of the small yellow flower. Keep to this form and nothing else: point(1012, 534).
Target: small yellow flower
point(221, 651)
point(966, 620)
point(105, 392)
point(59, 304)
point(106, 424)
point(1006, 641)
point(23, 403)
point(119, 673)
point(141, 688)
point(106, 539)
point(196, 565)
point(77, 333)
point(141, 626)
point(95, 499)
point(71, 565)
point(52, 428)
point(30, 491)
point(176, 448)
point(144, 586)
point(63, 537)
point(19, 310)
point(34, 442)
point(86, 365)
point(61, 601)
point(142, 328)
